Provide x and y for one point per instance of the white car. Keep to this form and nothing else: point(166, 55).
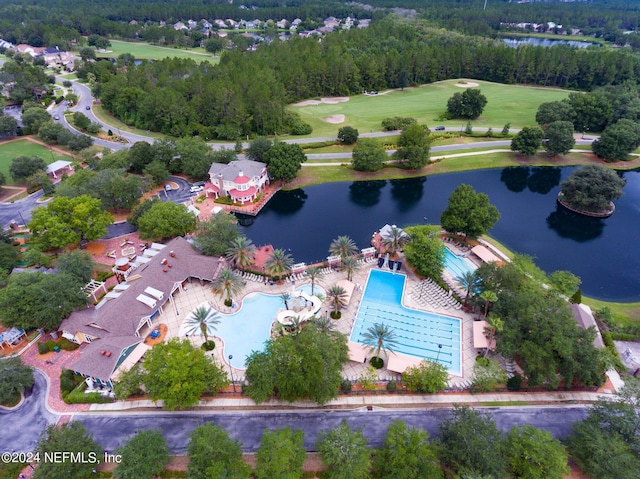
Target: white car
point(196, 188)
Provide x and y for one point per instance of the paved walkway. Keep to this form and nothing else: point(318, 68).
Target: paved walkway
point(377, 400)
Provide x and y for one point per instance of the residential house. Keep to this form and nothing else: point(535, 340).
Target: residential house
point(180, 26)
point(112, 328)
point(241, 180)
point(331, 22)
point(282, 24)
point(220, 23)
point(191, 24)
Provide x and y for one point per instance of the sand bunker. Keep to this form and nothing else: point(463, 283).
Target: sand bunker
point(328, 100)
point(468, 84)
point(334, 119)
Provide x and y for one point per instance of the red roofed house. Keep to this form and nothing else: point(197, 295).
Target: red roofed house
point(241, 180)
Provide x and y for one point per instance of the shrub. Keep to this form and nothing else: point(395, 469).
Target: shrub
point(345, 386)
point(67, 345)
point(224, 200)
point(335, 314)
point(397, 123)
point(392, 386)
point(228, 302)
point(78, 396)
point(514, 383)
point(576, 298)
point(42, 348)
point(299, 127)
point(67, 382)
point(208, 345)
point(51, 344)
point(104, 275)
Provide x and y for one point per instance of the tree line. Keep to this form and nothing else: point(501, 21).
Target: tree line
point(247, 93)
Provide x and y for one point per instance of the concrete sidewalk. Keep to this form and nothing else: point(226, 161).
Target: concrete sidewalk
point(378, 400)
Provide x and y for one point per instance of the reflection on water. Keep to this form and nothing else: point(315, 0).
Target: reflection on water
point(287, 202)
point(543, 179)
point(577, 227)
point(538, 179)
point(546, 42)
point(366, 193)
point(407, 193)
point(515, 178)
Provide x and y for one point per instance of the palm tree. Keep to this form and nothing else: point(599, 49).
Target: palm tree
point(242, 252)
point(203, 319)
point(337, 296)
point(313, 273)
point(285, 297)
point(469, 281)
point(350, 265)
point(380, 337)
point(343, 246)
point(278, 263)
point(395, 239)
point(324, 324)
point(488, 297)
point(495, 326)
point(228, 284)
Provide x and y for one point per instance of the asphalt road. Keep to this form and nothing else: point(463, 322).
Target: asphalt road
point(21, 427)
point(20, 211)
point(110, 431)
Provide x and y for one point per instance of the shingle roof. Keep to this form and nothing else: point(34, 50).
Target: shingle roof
point(92, 363)
point(116, 322)
point(232, 170)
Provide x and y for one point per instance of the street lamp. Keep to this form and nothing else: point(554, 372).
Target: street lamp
point(231, 370)
point(439, 349)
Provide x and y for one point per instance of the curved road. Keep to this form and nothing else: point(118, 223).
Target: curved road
point(110, 431)
point(22, 426)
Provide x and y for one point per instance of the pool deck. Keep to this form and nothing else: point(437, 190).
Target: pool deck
point(196, 294)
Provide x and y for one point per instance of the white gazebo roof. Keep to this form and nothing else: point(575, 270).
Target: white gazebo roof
point(57, 166)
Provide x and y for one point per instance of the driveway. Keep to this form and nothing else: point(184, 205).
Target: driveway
point(21, 427)
point(113, 430)
point(177, 195)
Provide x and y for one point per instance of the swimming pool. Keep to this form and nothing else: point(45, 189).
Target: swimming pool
point(457, 265)
point(418, 333)
point(247, 329)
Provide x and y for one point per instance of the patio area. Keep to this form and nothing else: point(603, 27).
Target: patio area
point(196, 294)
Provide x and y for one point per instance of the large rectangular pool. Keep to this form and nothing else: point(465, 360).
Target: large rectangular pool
point(418, 333)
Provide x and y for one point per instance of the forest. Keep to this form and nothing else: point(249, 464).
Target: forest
point(247, 92)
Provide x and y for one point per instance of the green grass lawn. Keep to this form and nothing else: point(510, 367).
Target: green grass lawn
point(8, 151)
point(505, 104)
point(116, 125)
point(146, 51)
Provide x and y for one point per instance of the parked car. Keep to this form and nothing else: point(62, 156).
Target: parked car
point(167, 187)
point(196, 188)
point(56, 117)
point(439, 128)
point(88, 107)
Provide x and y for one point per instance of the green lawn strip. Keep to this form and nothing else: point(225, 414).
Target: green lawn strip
point(13, 149)
point(505, 104)
point(146, 51)
point(504, 403)
point(21, 196)
point(103, 115)
point(623, 314)
point(330, 149)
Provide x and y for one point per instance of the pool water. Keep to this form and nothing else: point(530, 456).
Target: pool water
point(247, 329)
point(457, 265)
point(418, 333)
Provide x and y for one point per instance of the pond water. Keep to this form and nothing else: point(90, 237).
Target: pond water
point(546, 42)
point(603, 252)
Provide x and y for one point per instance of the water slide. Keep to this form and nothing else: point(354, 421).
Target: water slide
point(286, 317)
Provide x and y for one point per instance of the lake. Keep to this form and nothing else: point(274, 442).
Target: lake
point(603, 252)
point(546, 42)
